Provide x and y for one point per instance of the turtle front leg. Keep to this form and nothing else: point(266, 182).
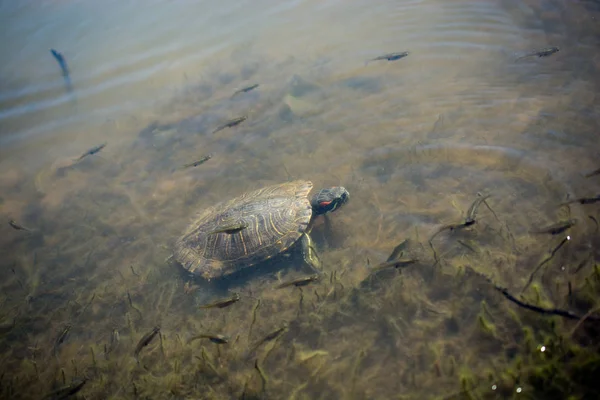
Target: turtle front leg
point(311, 258)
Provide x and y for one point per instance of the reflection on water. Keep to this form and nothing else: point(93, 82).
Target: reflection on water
point(415, 141)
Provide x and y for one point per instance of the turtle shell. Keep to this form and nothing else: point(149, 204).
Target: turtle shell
point(275, 217)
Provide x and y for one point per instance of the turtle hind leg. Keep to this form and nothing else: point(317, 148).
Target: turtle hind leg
point(309, 252)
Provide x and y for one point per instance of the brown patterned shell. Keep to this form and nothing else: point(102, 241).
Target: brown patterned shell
point(276, 216)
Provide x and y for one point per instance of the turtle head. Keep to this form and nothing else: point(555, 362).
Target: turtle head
point(328, 200)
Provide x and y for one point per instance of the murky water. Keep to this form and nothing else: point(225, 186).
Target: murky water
point(415, 141)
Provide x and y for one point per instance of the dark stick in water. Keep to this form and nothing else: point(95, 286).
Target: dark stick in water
point(541, 310)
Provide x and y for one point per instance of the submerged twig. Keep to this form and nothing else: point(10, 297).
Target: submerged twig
point(541, 310)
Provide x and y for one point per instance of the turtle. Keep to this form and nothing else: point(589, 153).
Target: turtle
point(245, 231)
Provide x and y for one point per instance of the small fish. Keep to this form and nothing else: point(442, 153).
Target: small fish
point(545, 52)
point(223, 302)
point(17, 226)
point(230, 229)
point(397, 252)
point(231, 123)
point(449, 227)
point(390, 56)
point(61, 338)
point(583, 200)
point(557, 228)
point(472, 212)
point(215, 338)
point(66, 392)
point(395, 264)
point(467, 246)
point(145, 341)
point(63, 68)
point(93, 150)
point(300, 281)
point(245, 89)
point(114, 341)
point(271, 336)
point(199, 162)
point(594, 172)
